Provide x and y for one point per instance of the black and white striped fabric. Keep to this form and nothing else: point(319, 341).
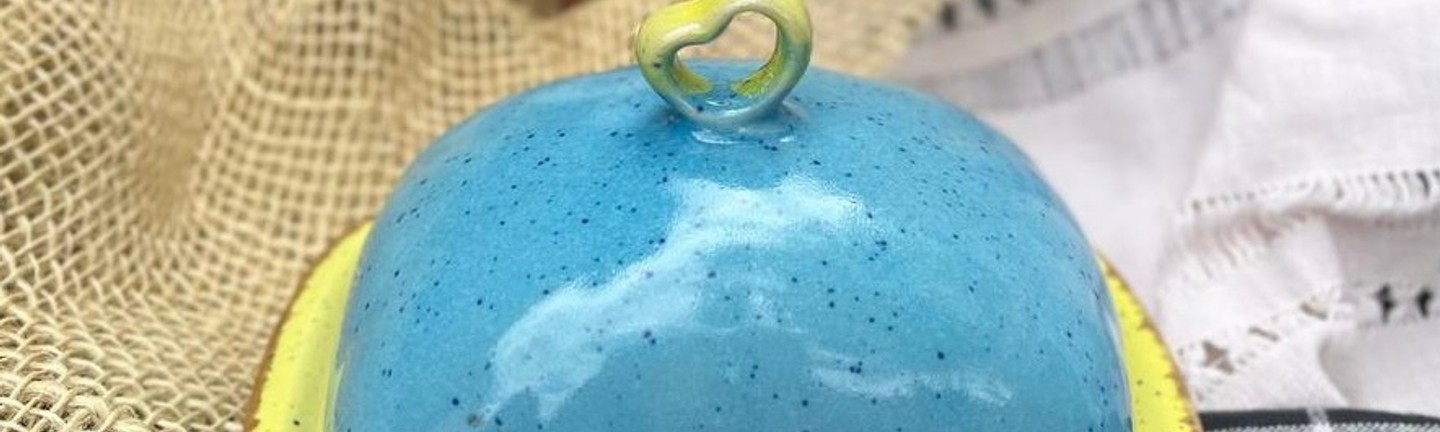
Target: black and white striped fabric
point(1130, 37)
point(1316, 420)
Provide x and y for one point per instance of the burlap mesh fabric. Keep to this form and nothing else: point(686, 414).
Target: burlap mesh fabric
point(170, 169)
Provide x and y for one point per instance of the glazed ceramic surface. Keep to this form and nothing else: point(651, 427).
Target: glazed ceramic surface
point(581, 258)
point(291, 393)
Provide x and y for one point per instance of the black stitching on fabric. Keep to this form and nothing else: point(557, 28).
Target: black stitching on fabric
point(1387, 302)
point(986, 6)
point(955, 15)
point(949, 17)
point(1423, 301)
point(1395, 304)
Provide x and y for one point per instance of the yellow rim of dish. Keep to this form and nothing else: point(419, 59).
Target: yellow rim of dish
point(1158, 399)
point(303, 353)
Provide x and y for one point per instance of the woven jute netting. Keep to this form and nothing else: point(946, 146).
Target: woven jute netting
point(170, 169)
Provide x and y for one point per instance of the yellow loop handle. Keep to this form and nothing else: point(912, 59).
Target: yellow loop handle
point(665, 32)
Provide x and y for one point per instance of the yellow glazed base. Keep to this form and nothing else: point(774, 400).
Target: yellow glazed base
point(1158, 400)
point(297, 382)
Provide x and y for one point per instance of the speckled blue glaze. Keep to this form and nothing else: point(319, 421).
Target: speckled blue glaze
point(575, 259)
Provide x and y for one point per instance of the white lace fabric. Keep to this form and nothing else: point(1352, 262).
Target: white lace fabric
point(1266, 172)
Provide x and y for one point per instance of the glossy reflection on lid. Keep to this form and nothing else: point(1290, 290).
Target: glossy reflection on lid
point(560, 343)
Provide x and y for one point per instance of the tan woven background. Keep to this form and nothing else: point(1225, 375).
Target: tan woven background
point(168, 169)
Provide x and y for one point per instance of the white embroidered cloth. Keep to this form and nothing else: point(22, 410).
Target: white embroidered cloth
point(1266, 172)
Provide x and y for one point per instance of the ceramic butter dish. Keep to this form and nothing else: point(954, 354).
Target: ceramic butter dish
point(718, 246)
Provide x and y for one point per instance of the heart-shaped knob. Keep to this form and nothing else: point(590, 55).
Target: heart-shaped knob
point(664, 33)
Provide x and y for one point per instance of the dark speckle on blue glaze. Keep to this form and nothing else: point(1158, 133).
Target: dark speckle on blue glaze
point(573, 259)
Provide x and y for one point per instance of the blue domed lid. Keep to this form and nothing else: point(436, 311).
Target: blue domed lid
point(842, 255)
